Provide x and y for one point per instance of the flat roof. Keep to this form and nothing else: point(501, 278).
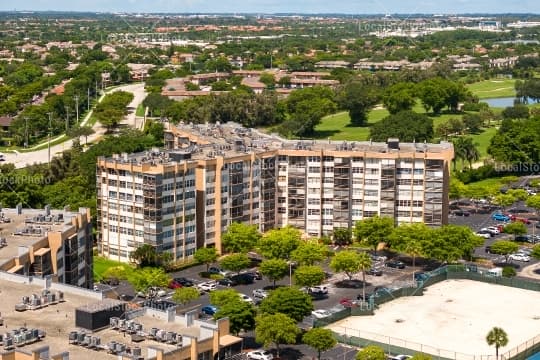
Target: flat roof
point(23, 231)
point(104, 304)
point(59, 320)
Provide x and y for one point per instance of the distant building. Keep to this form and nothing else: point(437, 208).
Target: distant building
point(139, 72)
point(337, 64)
point(48, 242)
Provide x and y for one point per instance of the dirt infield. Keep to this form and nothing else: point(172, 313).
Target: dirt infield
point(452, 317)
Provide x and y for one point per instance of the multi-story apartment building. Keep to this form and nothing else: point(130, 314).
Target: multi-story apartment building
point(242, 175)
point(48, 242)
point(146, 198)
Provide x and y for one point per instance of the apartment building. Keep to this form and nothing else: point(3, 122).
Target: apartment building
point(243, 175)
point(47, 242)
point(146, 198)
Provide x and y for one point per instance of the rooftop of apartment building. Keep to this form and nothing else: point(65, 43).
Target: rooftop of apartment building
point(208, 141)
point(22, 228)
point(57, 321)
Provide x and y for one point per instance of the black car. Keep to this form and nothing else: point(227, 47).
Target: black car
point(487, 249)
point(184, 282)
point(461, 213)
point(243, 279)
point(227, 282)
point(254, 274)
point(374, 271)
point(395, 264)
point(523, 238)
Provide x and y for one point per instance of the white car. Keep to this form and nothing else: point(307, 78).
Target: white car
point(246, 298)
point(491, 229)
point(484, 235)
point(400, 357)
point(520, 257)
point(320, 289)
point(207, 286)
point(320, 314)
point(260, 293)
point(162, 293)
point(260, 355)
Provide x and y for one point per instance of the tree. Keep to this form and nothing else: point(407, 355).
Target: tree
point(274, 269)
point(235, 262)
point(371, 352)
point(267, 79)
point(145, 255)
point(504, 200)
point(309, 253)
point(450, 243)
point(206, 256)
point(346, 261)
point(156, 102)
point(240, 237)
point(373, 231)
point(504, 247)
point(320, 339)
point(473, 123)
point(241, 315)
point(407, 126)
point(516, 112)
point(364, 261)
point(535, 253)
point(275, 329)
point(497, 337)
point(516, 228)
point(410, 239)
point(399, 97)
point(519, 194)
point(342, 236)
point(509, 271)
point(358, 99)
point(289, 301)
point(534, 202)
point(280, 243)
point(308, 275)
point(221, 297)
point(184, 295)
point(77, 132)
point(148, 277)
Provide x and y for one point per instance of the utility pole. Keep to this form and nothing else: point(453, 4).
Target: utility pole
point(49, 137)
point(67, 119)
point(77, 107)
point(25, 132)
point(88, 102)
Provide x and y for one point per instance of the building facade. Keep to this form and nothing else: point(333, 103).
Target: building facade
point(242, 175)
point(48, 242)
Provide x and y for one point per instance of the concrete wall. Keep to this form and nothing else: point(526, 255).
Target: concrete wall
point(74, 290)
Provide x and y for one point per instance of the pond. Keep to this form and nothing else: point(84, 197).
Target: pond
point(502, 102)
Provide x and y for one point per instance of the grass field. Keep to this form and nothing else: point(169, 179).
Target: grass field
point(493, 88)
point(483, 140)
point(102, 264)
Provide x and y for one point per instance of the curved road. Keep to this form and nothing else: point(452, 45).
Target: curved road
point(23, 159)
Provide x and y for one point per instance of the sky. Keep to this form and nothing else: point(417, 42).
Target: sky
point(281, 6)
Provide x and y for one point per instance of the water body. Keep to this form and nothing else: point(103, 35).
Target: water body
point(502, 102)
point(535, 357)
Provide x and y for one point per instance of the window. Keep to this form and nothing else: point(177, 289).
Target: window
point(372, 182)
point(371, 193)
point(113, 194)
point(418, 171)
point(418, 182)
point(357, 170)
point(373, 171)
point(328, 169)
point(369, 214)
point(282, 210)
point(314, 201)
point(314, 169)
point(314, 212)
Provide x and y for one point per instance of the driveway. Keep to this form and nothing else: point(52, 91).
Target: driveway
point(24, 159)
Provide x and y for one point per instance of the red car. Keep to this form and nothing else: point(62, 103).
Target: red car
point(515, 218)
point(174, 285)
point(348, 303)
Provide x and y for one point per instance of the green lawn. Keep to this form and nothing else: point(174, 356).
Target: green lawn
point(483, 140)
point(494, 88)
point(139, 111)
point(102, 264)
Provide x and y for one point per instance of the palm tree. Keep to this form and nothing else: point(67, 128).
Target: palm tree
point(364, 264)
point(497, 337)
point(470, 151)
point(459, 151)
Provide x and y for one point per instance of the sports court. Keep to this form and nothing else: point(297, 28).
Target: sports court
point(452, 318)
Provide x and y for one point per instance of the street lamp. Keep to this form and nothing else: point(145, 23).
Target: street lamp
point(25, 132)
point(49, 137)
point(77, 106)
point(67, 118)
point(290, 273)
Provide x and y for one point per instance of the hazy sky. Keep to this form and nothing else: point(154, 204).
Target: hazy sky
point(273, 6)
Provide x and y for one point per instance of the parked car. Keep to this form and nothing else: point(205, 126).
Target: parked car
point(209, 310)
point(161, 293)
point(246, 298)
point(256, 275)
point(493, 230)
point(500, 217)
point(520, 219)
point(260, 355)
point(243, 279)
point(396, 264)
point(260, 293)
point(174, 285)
point(518, 211)
point(375, 271)
point(207, 286)
point(378, 258)
point(520, 257)
point(525, 251)
point(320, 314)
point(461, 213)
point(400, 357)
point(219, 271)
point(227, 282)
point(420, 276)
point(487, 249)
point(321, 289)
point(348, 302)
point(183, 281)
point(523, 238)
point(485, 235)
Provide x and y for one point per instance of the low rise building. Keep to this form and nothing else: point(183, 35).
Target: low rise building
point(47, 242)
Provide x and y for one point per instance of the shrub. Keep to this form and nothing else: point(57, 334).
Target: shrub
point(508, 271)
